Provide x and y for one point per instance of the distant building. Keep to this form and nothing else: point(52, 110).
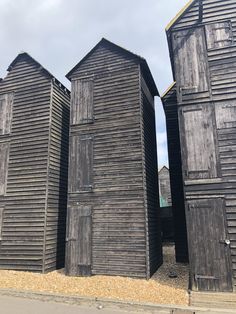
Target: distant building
point(167, 225)
point(164, 187)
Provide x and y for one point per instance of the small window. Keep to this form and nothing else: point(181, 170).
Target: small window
point(6, 102)
point(82, 101)
point(219, 35)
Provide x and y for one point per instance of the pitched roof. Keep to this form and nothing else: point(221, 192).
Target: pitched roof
point(25, 56)
point(143, 63)
point(168, 89)
point(180, 14)
point(162, 169)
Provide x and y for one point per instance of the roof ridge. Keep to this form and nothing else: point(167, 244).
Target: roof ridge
point(27, 55)
point(180, 13)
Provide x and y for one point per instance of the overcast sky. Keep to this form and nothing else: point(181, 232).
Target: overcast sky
point(58, 33)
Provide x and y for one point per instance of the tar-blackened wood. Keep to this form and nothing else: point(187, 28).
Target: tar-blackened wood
point(214, 272)
point(34, 126)
point(207, 115)
point(113, 222)
point(176, 179)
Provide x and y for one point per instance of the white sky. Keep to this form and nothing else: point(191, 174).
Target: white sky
point(58, 33)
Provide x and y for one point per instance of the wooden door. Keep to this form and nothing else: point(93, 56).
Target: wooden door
point(6, 103)
point(209, 245)
point(198, 138)
point(82, 101)
point(4, 157)
point(78, 241)
point(191, 65)
point(81, 163)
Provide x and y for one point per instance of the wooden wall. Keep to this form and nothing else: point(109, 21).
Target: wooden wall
point(153, 228)
point(57, 179)
point(24, 187)
point(176, 178)
point(206, 100)
point(106, 198)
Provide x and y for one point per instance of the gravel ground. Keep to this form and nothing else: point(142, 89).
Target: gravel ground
point(160, 289)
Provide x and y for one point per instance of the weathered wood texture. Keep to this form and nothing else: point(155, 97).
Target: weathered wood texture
point(111, 167)
point(150, 177)
point(176, 179)
point(217, 300)
point(206, 111)
point(31, 160)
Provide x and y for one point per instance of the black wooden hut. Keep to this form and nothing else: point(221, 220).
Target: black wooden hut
point(202, 50)
point(113, 224)
point(176, 179)
point(34, 129)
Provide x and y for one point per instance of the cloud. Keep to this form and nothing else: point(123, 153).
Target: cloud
point(58, 33)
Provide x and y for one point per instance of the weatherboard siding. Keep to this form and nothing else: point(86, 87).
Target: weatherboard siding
point(22, 245)
point(151, 196)
point(221, 58)
point(176, 179)
point(57, 180)
point(116, 196)
point(24, 201)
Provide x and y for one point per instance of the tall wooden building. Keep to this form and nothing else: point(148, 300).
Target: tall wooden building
point(34, 127)
point(113, 224)
point(176, 179)
point(203, 55)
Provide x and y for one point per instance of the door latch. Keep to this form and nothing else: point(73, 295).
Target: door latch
point(225, 242)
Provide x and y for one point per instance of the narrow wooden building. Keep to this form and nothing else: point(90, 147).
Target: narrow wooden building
point(203, 55)
point(113, 224)
point(176, 179)
point(34, 129)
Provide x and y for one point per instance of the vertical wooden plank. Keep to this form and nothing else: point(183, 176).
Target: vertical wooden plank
point(1, 220)
point(226, 114)
point(219, 35)
point(81, 163)
point(79, 241)
point(82, 101)
point(6, 103)
point(72, 241)
point(4, 153)
point(209, 253)
point(191, 66)
point(198, 137)
point(85, 241)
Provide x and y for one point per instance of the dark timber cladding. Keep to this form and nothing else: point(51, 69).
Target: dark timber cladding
point(34, 129)
point(176, 179)
point(203, 54)
point(113, 223)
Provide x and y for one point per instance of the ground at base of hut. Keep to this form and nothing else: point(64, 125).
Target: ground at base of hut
point(160, 289)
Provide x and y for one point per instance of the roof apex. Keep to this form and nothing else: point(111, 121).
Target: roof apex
point(162, 168)
point(25, 55)
point(180, 14)
point(130, 54)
